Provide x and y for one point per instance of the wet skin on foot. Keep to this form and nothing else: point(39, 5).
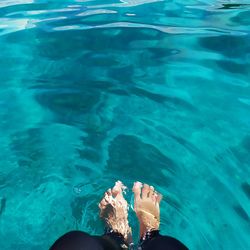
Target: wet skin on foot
point(147, 207)
point(114, 210)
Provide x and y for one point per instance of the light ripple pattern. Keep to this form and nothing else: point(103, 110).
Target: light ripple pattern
point(95, 91)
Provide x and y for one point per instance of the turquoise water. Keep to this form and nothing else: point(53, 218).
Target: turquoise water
point(95, 91)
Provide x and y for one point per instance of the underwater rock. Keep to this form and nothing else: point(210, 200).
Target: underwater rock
point(132, 158)
point(246, 189)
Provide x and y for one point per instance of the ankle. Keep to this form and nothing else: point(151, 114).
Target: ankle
point(148, 236)
point(145, 230)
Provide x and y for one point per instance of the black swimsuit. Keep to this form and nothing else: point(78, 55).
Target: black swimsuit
point(77, 240)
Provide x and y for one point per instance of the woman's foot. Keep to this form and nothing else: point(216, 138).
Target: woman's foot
point(147, 207)
point(114, 211)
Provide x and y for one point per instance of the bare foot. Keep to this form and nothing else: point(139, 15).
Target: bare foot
point(114, 211)
point(147, 207)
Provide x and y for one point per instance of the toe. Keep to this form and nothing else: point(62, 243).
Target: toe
point(137, 190)
point(106, 199)
point(117, 189)
point(102, 204)
point(145, 191)
point(154, 197)
point(109, 191)
point(151, 192)
point(158, 198)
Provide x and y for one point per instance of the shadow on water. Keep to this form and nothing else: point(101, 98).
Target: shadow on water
point(229, 46)
point(142, 98)
point(133, 159)
point(227, 6)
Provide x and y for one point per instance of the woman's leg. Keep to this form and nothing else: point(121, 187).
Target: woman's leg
point(113, 210)
point(76, 240)
point(159, 242)
point(114, 213)
point(147, 208)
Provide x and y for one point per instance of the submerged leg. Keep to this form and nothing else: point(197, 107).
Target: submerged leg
point(114, 212)
point(147, 208)
point(76, 240)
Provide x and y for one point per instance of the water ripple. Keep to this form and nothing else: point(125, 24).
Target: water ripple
point(124, 14)
point(108, 89)
point(168, 30)
point(7, 3)
point(129, 3)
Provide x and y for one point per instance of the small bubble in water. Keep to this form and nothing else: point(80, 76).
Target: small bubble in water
point(77, 189)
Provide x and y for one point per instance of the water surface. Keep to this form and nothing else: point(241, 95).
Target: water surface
point(95, 91)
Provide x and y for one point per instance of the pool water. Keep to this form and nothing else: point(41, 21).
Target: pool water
point(150, 90)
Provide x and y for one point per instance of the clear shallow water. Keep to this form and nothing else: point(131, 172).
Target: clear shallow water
point(95, 91)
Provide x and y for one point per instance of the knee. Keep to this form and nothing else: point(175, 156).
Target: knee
point(76, 240)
